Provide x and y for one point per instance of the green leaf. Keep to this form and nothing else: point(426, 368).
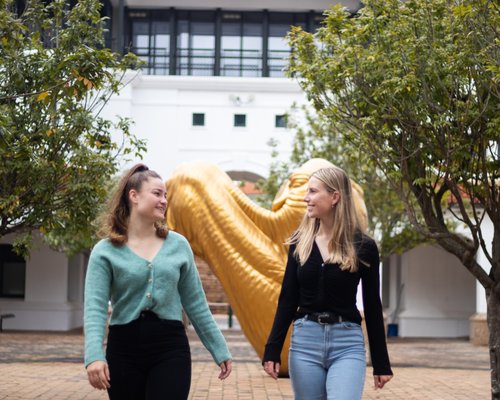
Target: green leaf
point(57, 154)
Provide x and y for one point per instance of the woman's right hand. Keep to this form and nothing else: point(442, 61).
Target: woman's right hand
point(98, 374)
point(272, 368)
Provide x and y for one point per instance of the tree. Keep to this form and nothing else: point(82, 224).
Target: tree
point(416, 85)
point(316, 137)
point(57, 153)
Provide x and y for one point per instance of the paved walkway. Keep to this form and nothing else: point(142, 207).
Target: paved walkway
point(49, 366)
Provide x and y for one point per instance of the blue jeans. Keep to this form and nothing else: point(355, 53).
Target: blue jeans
point(327, 361)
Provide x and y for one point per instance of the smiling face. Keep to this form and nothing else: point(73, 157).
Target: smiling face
point(149, 201)
point(319, 200)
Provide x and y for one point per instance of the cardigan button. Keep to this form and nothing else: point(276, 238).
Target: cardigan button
point(149, 295)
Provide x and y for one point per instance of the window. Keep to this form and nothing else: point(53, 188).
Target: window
point(278, 48)
point(12, 273)
point(198, 119)
point(280, 121)
point(196, 43)
point(151, 40)
point(107, 13)
point(240, 120)
point(208, 43)
point(241, 44)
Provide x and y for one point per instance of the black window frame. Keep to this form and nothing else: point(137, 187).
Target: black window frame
point(194, 118)
point(157, 59)
point(240, 120)
point(250, 61)
point(192, 53)
point(280, 121)
point(186, 61)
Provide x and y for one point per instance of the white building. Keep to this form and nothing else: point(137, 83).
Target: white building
point(44, 292)
point(213, 88)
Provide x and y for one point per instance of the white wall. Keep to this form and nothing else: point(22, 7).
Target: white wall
point(162, 108)
point(280, 5)
point(46, 276)
point(487, 229)
point(487, 232)
point(439, 294)
point(46, 305)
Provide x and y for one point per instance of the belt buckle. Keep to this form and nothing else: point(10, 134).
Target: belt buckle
point(321, 316)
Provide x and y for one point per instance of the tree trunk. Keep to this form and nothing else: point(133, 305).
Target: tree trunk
point(494, 345)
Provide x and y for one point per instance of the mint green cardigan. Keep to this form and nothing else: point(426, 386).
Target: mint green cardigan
point(166, 285)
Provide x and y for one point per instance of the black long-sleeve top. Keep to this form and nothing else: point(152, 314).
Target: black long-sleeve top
point(318, 287)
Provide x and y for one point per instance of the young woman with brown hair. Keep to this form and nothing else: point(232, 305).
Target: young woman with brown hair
point(148, 274)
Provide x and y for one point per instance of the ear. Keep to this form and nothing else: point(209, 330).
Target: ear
point(133, 196)
point(335, 198)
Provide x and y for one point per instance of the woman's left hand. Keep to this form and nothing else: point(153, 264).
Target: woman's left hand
point(381, 380)
point(225, 369)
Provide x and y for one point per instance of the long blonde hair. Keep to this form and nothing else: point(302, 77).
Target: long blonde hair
point(114, 223)
point(341, 244)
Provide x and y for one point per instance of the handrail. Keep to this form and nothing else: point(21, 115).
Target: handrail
point(229, 311)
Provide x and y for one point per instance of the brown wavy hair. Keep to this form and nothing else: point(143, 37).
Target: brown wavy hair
point(114, 222)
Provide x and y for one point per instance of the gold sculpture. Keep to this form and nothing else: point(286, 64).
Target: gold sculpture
point(241, 241)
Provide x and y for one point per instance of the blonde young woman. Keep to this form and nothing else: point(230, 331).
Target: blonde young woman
point(149, 275)
point(328, 257)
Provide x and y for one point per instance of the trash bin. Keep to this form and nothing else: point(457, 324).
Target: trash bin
point(392, 329)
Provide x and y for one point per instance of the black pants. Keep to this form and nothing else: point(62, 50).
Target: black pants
point(149, 359)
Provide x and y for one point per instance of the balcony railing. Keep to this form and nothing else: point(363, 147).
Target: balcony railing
point(202, 62)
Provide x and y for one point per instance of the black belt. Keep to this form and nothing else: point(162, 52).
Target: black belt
point(324, 317)
point(147, 314)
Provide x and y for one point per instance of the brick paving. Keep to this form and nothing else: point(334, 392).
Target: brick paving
point(49, 366)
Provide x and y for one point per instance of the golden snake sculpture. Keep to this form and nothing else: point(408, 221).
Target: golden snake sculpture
point(241, 241)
